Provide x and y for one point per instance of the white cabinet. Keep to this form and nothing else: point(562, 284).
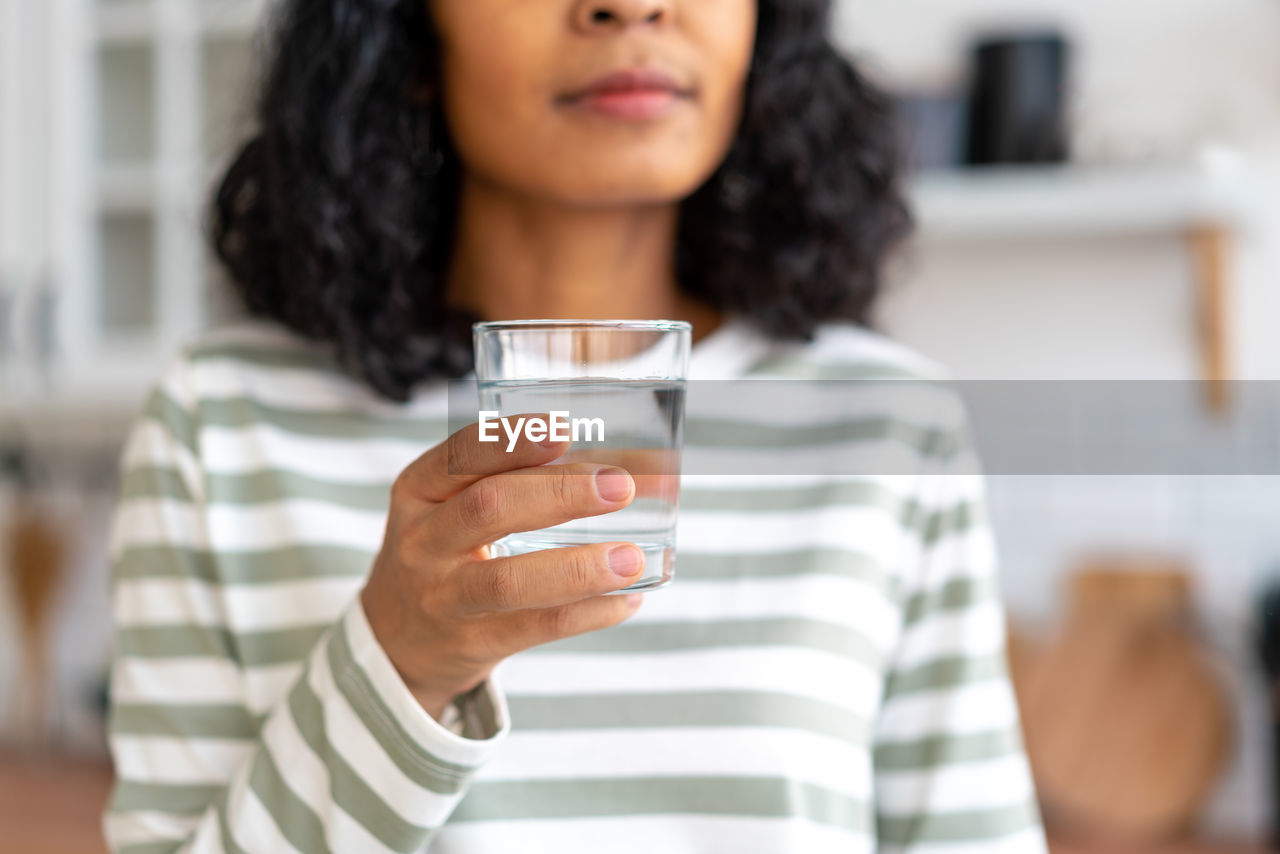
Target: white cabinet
point(114, 118)
point(25, 171)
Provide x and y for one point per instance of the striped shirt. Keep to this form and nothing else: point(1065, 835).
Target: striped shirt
point(825, 674)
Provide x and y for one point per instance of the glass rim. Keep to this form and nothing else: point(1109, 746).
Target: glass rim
point(553, 325)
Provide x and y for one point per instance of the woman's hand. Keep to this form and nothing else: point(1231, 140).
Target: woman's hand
point(443, 609)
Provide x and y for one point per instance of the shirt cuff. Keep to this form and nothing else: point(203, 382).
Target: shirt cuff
point(484, 722)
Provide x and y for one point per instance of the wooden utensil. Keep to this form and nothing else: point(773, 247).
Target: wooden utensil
point(36, 563)
point(1125, 720)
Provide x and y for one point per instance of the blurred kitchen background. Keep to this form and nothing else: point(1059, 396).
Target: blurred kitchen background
point(1098, 191)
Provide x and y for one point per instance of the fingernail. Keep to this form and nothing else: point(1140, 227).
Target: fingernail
point(634, 600)
point(613, 484)
point(625, 560)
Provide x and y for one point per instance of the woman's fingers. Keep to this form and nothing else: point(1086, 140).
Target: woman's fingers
point(656, 471)
point(547, 578)
point(528, 500)
point(463, 459)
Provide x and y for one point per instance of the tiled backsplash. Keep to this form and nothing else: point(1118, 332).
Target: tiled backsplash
point(1228, 527)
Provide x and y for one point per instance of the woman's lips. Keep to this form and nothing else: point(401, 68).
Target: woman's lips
point(635, 94)
point(638, 104)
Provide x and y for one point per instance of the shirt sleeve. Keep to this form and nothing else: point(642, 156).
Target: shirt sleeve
point(346, 760)
point(951, 774)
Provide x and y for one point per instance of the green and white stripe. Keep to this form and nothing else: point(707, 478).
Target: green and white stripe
point(827, 673)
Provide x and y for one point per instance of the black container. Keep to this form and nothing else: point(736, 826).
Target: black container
point(1017, 99)
point(1268, 643)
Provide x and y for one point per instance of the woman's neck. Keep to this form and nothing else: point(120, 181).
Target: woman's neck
point(517, 257)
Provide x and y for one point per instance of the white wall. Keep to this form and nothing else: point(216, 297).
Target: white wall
point(1153, 81)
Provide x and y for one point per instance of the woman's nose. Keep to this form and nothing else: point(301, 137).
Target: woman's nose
point(591, 16)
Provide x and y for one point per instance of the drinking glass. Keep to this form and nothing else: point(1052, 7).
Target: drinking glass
point(619, 386)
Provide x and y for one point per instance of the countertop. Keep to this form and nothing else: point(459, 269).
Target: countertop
point(54, 807)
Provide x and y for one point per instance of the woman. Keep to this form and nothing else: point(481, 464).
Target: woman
point(316, 652)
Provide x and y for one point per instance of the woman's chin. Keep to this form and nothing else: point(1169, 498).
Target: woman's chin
point(622, 180)
point(626, 194)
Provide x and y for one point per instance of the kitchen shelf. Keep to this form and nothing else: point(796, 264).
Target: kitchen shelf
point(88, 408)
point(1203, 203)
point(83, 415)
point(1071, 201)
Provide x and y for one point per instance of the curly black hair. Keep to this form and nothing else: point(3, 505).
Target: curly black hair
point(336, 218)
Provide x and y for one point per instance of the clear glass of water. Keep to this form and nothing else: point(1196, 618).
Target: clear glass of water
point(619, 386)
